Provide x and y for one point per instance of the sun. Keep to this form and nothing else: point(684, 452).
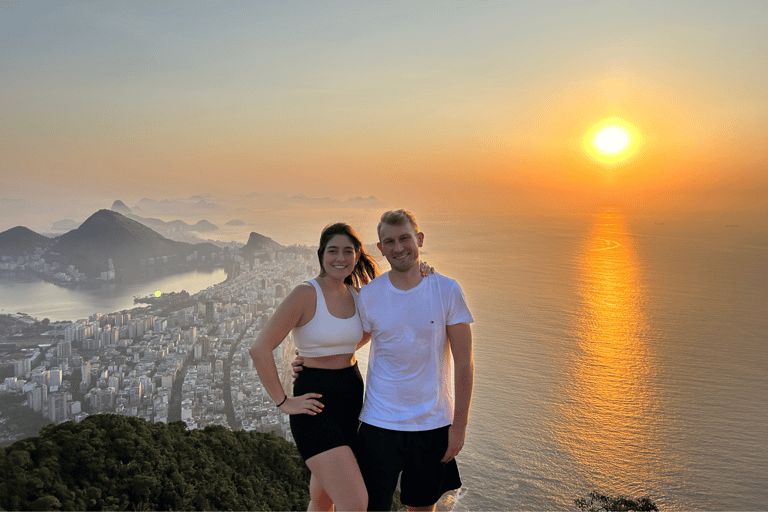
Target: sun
point(612, 141)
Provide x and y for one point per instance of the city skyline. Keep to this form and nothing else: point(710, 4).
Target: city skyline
point(468, 107)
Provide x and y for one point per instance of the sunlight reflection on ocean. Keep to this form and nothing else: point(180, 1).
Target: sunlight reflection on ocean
point(614, 355)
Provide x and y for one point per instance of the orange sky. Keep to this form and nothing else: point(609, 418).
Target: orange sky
point(478, 108)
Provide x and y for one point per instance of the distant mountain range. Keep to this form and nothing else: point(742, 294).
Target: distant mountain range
point(111, 235)
point(166, 228)
point(103, 236)
point(176, 206)
point(207, 204)
point(301, 200)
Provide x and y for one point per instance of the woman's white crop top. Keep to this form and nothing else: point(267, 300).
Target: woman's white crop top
point(326, 335)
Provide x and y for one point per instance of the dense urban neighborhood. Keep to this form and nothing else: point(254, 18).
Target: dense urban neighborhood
point(183, 357)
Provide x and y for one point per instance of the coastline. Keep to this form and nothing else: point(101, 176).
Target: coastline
point(40, 298)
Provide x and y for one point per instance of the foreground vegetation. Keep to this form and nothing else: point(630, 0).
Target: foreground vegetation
point(111, 462)
point(601, 503)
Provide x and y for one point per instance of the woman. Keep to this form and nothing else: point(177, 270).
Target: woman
point(322, 313)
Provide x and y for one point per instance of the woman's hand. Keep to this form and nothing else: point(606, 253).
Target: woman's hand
point(304, 404)
point(426, 269)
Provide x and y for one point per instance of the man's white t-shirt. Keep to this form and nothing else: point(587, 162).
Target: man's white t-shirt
point(408, 386)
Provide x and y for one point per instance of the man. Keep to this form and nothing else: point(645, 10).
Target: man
point(412, 422)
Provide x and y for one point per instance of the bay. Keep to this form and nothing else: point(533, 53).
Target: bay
point(41, 299)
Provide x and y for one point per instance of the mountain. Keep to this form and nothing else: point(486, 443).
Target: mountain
point(204, 225)
point(364, 202)
point(20, 240)
point(65, 225)
point(146, 202)
point(159, 225)
point(315, 202)
point(236, 222)
point(204, 205)
point(120, 207)
point(109, 235)
point(175, 227)
point(300, 200)
point(258, 243)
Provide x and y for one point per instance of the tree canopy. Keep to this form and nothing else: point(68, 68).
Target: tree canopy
point(112, 462)
point(599, 502)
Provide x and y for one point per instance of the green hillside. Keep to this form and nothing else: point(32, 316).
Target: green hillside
point(111, 462)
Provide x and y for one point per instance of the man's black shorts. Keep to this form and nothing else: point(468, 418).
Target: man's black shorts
point(382, 454)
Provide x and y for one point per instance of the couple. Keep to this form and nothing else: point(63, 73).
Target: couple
point(411, 422)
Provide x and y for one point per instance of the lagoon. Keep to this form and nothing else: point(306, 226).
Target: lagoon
point(41, 299)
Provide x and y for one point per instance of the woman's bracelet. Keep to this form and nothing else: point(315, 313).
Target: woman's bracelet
point(281, 403)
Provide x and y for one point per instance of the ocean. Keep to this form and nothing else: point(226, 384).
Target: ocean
point(620, 354)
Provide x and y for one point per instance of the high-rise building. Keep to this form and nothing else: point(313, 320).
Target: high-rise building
point(35, 398)
point(54, 376)
point(160, 324)
point(70, 331)
point(105, 399)
point(135, 391)
point(22, 367)
point(64, 349)
point(40, 376)
point(57, 407)
point(85, 369)
point(207, 347)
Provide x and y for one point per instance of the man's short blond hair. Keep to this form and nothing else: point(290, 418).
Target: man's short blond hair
point(397, 218)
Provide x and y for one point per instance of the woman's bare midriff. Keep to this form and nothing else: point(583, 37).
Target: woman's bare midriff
point(335, 362)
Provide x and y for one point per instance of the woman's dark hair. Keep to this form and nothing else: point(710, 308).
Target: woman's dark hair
point(365, 269)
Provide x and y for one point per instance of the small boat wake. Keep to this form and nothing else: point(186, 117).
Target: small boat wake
point(609, 244)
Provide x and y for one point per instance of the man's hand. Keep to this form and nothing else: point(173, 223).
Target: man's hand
point(297, 364)
point(456, 436)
